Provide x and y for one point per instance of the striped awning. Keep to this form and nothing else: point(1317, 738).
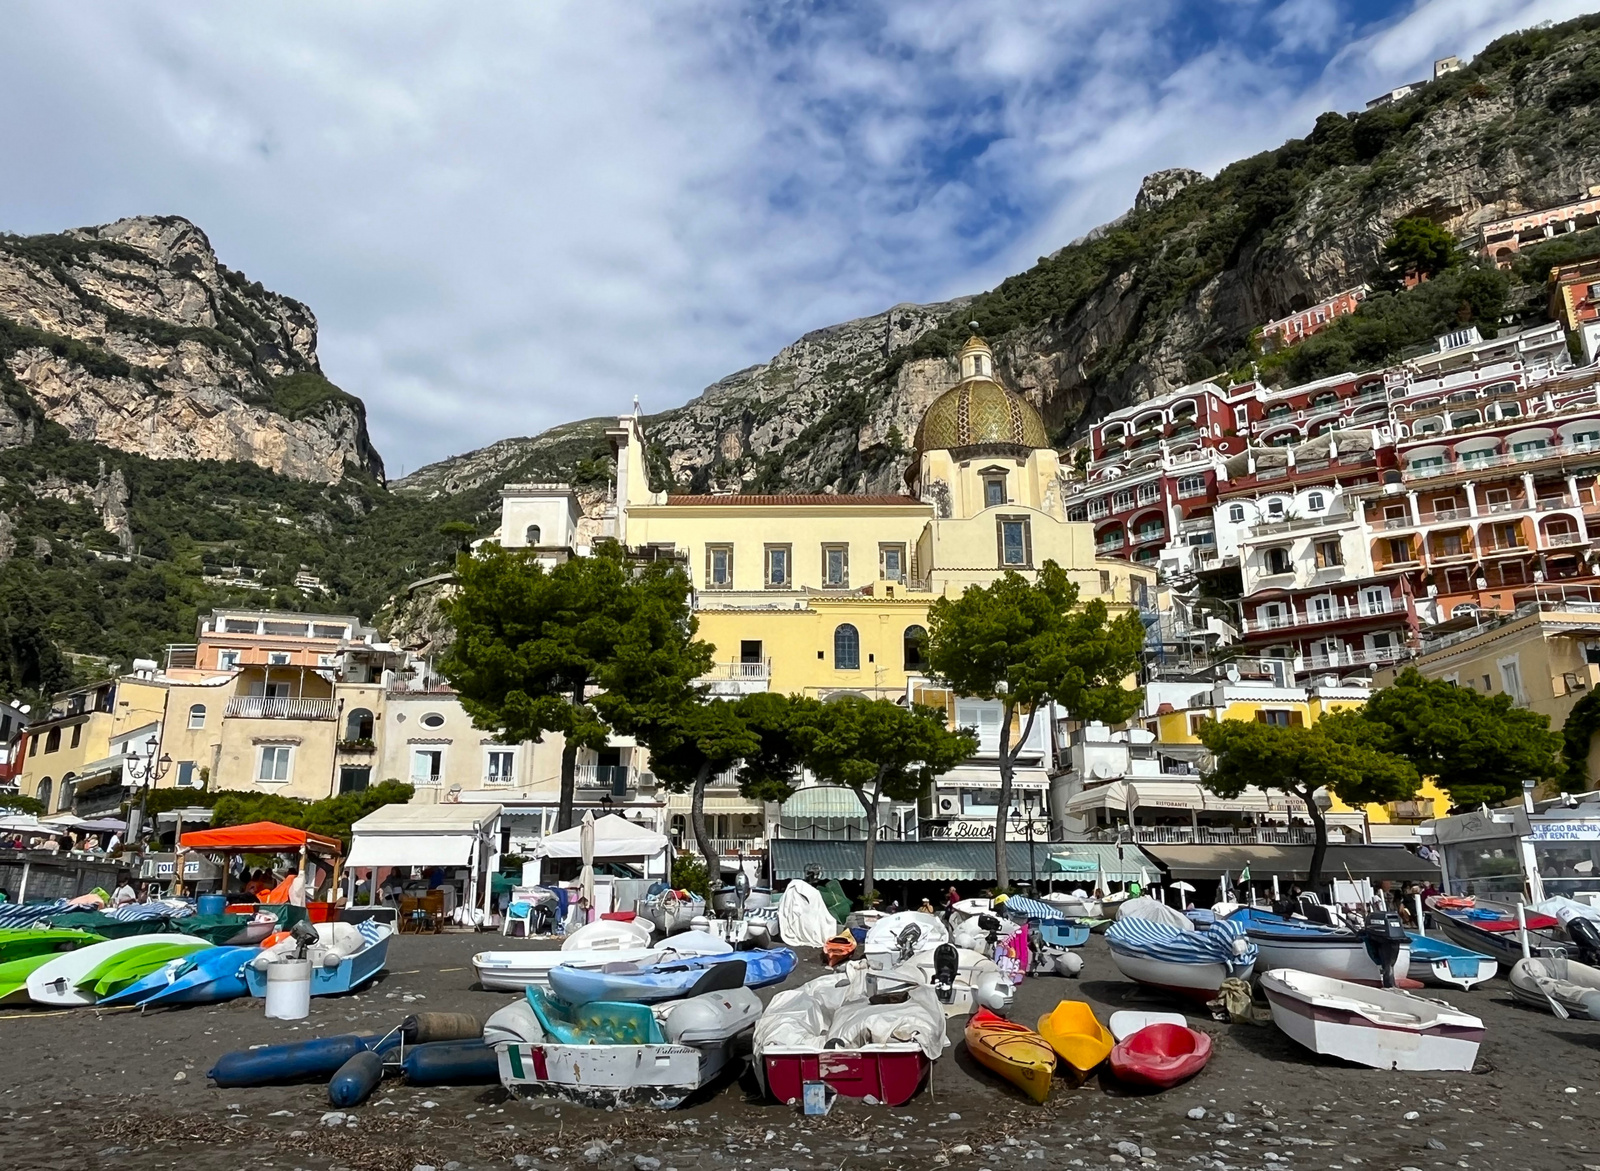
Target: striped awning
point(946, 861)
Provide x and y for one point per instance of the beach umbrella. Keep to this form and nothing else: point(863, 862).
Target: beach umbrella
point(1184, 891)
point(586, 848)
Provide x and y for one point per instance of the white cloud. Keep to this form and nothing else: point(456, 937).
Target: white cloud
point(508, 216)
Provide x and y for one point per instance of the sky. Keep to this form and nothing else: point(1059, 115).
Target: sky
point(507, 216)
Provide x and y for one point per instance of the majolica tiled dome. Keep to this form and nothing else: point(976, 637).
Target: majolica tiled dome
point(979, 412)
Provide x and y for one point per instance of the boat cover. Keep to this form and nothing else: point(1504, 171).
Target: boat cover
point(1225, 943)
point(836, 1011)
point(1565, 909)
point(882, 935)
point(1154, 911)
point(1033, 908)
point(803, 918)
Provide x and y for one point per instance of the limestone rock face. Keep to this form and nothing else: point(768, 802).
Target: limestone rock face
point(135, 336)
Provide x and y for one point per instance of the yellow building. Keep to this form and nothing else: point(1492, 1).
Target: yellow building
point(76, 754)
point(1545, 656)
point(828, 594)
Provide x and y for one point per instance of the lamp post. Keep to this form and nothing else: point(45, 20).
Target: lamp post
point(1023, 818)
point(147, 770)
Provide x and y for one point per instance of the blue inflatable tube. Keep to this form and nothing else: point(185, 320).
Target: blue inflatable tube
point(297, 1061)
point(451, 1063)
point(356, 1079)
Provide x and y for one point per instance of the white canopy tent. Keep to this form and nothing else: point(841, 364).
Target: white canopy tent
point(614, 837)
point(447, 835)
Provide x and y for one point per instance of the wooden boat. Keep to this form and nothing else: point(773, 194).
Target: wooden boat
point(1190, 963)
point(1574, 986)
point(1491, 929)
point(838, 949)
point(1012, 1050)
point(1160, 1056)
point(339, 963)
point(1321, 950)
point(1384, 1028)
point(978, 982)
point(1439, 961)
point(1126, 1023)
point(1078, 1037)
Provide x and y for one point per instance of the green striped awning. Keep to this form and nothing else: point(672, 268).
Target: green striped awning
point(942, 861)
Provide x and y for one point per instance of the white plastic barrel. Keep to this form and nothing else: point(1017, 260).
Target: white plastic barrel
point(289, 989)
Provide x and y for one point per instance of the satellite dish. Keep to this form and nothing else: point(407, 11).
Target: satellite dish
point(25, 708)
point(1233, 674)
point(1102, 771)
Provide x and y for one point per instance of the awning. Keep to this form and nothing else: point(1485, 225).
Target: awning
point(614, 837)
point(939, 861)
point(421, 835)
point(1291, 862)
point(1125, 863)
point(259, 835)
point(1130, 794)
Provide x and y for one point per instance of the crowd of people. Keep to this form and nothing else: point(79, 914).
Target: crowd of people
point(64, 842)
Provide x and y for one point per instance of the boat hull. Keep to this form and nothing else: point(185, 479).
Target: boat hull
point(1336, 959)
point(1014, 1051)
point(1503, 946)
point(56, 983)
point(350, 974)
point(513, 971)
point(1379, 1028)
point(1193, 980)
point(1440, 961)
point(659, 1076)
point(1062, 933)
point(1081, 1042)
point(891, 1074)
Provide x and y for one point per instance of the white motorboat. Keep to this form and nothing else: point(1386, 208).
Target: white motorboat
point(979, 982)
point(1384, 1028)
point(902, 934)
point(604, 933)
point(512, 971)
point(1334, 952)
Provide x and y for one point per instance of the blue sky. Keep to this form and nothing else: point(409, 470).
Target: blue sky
point(508, 216)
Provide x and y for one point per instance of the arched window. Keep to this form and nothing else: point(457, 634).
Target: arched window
point(914, 637)
point(197, 716)
point(358, 725)
point(1315, 501)
point(532, 535)
point(43, 795)
point(846, 648)
point(1236, 513)
point(69, 785)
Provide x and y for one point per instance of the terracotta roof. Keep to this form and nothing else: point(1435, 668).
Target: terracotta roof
point(819, 498)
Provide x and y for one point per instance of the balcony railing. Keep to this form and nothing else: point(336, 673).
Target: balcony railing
point(1208, 835)
point(615, 777)
point(1360, 657)
point(1342, 612)
point(1553, 540)
point(1504, 459)
point(266, 707)
point(739, 845)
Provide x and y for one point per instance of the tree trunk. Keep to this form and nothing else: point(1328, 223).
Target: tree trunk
point(697, 821)
point(1002, 871)
point(1319, 849)
point(569, 785)
point(869, 847)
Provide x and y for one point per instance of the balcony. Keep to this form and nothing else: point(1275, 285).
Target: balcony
point(267, 707)
point(1208, 835)
point(1556, 540)
point(1343, 612)
point(1360, 657)
point(1419, 809)
point(361, 745)
point(736, 846)
point(614, 778)
point(739, 678)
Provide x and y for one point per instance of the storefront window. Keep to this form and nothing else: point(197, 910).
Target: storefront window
point(1568, 867)
point(1489, 867)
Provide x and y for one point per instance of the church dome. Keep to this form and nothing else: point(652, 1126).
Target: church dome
point(978, 412)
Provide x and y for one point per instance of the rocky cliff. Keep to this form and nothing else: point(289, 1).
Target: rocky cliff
point(133, 335)
point(1168, 293)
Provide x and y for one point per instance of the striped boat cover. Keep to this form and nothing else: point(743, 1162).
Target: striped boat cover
point(1032, 908)
point(139, 912)
point(1215, 945)
point(31, 914)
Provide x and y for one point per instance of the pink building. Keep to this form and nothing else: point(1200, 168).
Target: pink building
point(1286, 331)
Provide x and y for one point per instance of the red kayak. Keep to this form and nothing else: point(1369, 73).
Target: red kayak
point(1161, 1056)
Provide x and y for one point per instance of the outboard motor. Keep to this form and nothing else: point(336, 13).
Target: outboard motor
point(1585, 935)
point(905, 944)
point(946, 963)
point(1385, 936)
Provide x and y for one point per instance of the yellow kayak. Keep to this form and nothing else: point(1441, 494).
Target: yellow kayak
point(1080, 1040)
point(1013, 1051)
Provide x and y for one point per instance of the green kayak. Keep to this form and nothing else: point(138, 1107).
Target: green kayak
point(14, 977)
point(122, 969)
point(23, 942)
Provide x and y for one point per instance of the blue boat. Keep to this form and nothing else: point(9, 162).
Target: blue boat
point(1056, 929)
point(205, 977)
point(671, 979)
point(1440, 961)
point(332, 974)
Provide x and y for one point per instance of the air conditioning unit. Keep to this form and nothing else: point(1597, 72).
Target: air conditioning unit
point(949, 806)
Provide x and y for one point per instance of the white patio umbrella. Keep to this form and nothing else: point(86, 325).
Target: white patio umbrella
point(586, 849)
point(1184, 891)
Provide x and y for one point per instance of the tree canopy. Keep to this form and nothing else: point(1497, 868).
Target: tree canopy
point(1338, 753)
point(332, 816)
point(1027, 643)
point(1418, 247)
point(540, 651)
point(876, 748)
point(1477, 747)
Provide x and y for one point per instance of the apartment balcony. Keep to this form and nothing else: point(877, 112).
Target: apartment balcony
point(1104, 547)
point(1555, 451)
point(266, 707)
point(1356, 657)
point(737, 846)
point(1344, 612)
point(1559, 540)
point(1419, 809)
point(1174, 835)
point(365, 745)
point(738, 678)
point(614, 778)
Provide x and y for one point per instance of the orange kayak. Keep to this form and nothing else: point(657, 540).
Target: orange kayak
point(1013, 1051)
point(1078, 1038)
point(838, 949)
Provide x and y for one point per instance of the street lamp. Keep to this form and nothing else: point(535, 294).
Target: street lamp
point(1021, 817)
point(147, 771)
